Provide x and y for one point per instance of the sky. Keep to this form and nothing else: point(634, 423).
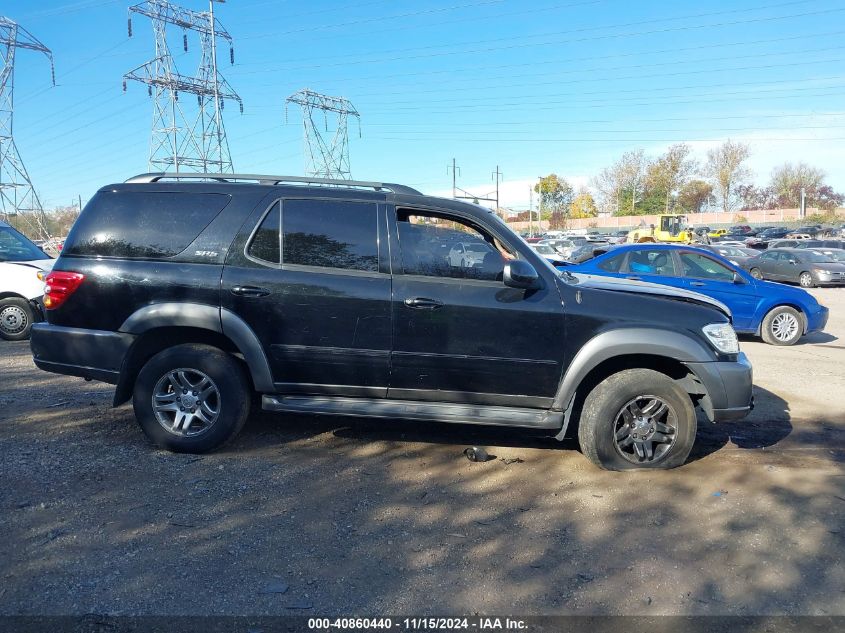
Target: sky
point(529, 88)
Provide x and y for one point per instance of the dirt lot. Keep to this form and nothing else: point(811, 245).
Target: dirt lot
point(330, 515)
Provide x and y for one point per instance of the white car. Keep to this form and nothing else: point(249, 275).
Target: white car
point(21, 288)
point(468, 254)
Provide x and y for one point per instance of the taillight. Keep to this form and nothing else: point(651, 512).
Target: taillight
point(60, 286)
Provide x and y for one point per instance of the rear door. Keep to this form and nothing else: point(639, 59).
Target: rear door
point(652, 264)
point(310, 278)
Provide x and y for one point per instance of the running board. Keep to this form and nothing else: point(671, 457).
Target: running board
point(416, 410)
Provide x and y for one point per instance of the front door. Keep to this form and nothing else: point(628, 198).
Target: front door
point(460, 334)
point(705, 274)
point(307, 277)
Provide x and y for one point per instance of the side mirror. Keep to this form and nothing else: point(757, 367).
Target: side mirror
point(520, 274)
point(738, 279)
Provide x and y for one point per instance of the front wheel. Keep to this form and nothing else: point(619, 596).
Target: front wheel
point(756, 273)
point(637, 419)
point(782, 326)
point(806, 280)
point(191, 398)
point(16, 317)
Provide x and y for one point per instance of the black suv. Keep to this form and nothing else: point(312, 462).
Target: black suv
point(192, 292)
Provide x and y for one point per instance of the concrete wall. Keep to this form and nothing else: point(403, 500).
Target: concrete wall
point(775, 216)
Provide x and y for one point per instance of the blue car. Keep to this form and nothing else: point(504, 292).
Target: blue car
point(779, 314)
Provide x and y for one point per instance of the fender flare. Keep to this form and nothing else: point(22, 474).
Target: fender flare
point(207, 317)
point(625, 342)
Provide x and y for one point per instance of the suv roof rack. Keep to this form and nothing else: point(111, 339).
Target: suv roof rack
point(274, 180)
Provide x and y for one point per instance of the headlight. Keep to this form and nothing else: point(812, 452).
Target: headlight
point(824, 272)
point(722, 336)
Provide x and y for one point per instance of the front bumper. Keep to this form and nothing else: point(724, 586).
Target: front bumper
point(817, 320)
point(728, 388)
point(93, 354)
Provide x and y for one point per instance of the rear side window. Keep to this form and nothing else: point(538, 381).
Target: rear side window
point(612, 264)
point(266, 242)
point(142, 225)
point(330, 234)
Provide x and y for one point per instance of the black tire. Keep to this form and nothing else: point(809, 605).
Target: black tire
point(16, 319)
point(778, 324)
point(231, 397)
point(756, 273)
point(805, 280)
point(603, 408)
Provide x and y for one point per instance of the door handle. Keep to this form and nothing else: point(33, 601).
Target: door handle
point(697, 283)
point(250, 291)
point(634, 277)
point(423, 304)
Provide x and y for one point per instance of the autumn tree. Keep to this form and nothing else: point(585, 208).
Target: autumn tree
point(726, 170)
point(555, 193)
point(583, 206)
point(695, 196)
point(669, 173)
point(788, 180)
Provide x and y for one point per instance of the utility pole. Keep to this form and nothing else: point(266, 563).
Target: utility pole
point(531, 211)
point(497, 175)
point(177, 141)
point(323, 158)
point(17, 194)
point(455, 171)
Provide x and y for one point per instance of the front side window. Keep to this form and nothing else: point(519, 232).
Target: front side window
point(443, 246)
point(650, 261)
point(702, 267)
point(330, 234)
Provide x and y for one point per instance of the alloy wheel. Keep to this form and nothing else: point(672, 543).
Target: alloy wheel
point(645, 429)
point(806, 280)
point(784, 326)
point(186, 402)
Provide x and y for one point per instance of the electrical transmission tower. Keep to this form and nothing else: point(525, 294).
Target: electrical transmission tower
point(17, 195)
point(324, 158)
point(179, 141)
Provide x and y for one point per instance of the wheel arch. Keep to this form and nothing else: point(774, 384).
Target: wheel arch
point(160, 326)
point(782, 304)
point(616, 350)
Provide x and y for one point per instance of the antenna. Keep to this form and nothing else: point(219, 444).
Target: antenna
point(178, 142)
point(328, 159)
point(17, 195)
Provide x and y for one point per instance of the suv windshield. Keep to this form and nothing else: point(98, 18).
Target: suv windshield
point(15, 247)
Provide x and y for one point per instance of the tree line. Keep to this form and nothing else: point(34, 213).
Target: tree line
point(675, 182)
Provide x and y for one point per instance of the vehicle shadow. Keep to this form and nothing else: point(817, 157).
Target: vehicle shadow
point(814, 338)
point(768, 424)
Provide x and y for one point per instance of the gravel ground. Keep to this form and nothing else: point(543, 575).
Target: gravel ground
point(317, 515)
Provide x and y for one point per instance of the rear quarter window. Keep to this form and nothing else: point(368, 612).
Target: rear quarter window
point(140, 225)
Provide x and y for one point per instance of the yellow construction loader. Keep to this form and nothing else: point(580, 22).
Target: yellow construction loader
point(670, 228)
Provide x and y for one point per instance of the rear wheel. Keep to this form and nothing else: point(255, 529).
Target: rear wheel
point(756, 273)
point(782, 326)
point(806, 280)
point(191, 398)
point(637, 419)
point(16, 318)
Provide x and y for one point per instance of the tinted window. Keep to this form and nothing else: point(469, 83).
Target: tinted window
point(141, 224)
point(702, 267)
point(430, 246)
point(651, 262)
point(266, 243)
point(15, 247)
point(330, 234)
point(612, 264)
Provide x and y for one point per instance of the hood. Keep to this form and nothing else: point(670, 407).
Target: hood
point(37, 264)
point(644, 287)
point(832, 266)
